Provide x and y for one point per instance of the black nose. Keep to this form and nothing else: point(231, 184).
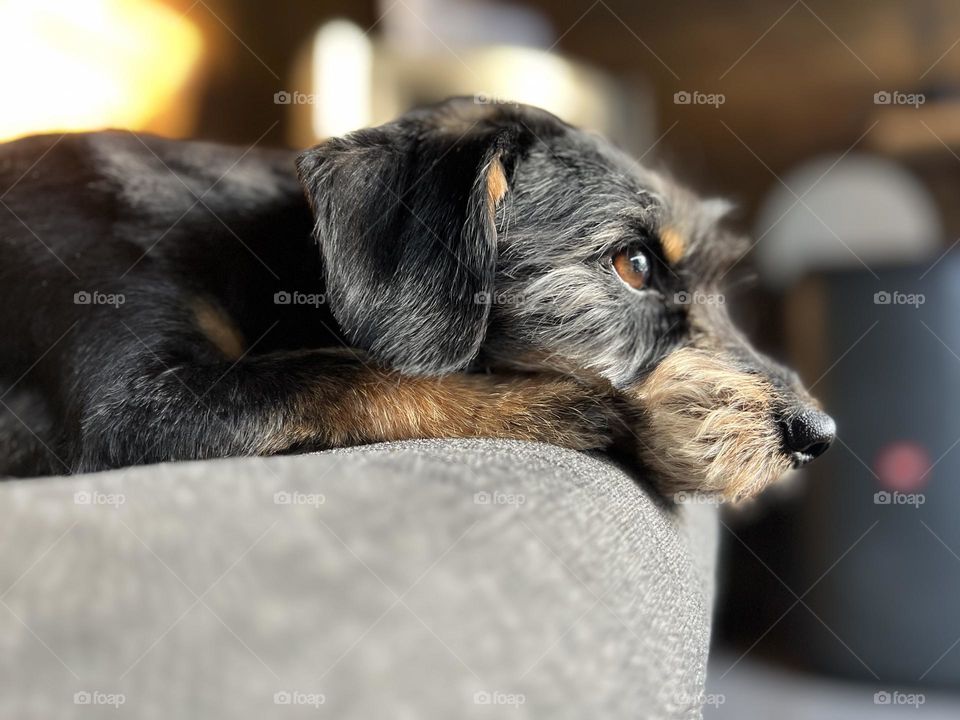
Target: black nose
point(808, 434)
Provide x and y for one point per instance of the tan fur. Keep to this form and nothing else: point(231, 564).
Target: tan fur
point(219, 329)
point(365, 405)
point(709, 427)
point(496, 183)
point(387, 406)
point(674, 246)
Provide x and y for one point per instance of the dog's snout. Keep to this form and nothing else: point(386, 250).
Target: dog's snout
point(808, 434)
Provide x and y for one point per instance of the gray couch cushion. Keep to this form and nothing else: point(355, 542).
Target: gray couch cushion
point(430, 579)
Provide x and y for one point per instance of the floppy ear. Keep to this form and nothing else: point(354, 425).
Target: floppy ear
point(405, 220)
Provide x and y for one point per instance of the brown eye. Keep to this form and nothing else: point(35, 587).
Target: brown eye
point(633, 267)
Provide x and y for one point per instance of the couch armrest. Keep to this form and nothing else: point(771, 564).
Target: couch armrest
point(428, 579)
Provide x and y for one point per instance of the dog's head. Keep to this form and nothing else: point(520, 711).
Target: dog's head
point(464, 233)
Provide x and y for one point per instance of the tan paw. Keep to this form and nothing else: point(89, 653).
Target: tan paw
point(575, 415)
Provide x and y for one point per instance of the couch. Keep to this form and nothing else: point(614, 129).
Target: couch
point(424, 579)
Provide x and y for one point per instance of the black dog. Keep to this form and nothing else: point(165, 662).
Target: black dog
point(166, 300)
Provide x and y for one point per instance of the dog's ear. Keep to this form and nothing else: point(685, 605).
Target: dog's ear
point(405, 220)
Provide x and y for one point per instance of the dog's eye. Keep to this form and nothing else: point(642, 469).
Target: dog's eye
point(633, 267)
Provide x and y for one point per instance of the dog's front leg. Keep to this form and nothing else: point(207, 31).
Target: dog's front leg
point(283, 402)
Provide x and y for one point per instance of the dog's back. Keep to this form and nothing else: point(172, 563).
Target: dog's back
point(84, 214)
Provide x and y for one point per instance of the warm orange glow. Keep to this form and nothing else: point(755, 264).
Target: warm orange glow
point(89, 64)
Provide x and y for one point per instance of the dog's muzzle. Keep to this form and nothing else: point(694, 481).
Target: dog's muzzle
point(713, 425)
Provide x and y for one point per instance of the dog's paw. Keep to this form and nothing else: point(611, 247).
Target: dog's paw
point(578, 416)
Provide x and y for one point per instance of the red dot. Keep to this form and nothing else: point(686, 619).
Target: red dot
point(903, 466)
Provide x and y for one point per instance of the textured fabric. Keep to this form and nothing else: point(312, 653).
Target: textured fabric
point(431, 579)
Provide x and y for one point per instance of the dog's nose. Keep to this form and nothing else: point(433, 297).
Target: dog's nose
point(808, 434)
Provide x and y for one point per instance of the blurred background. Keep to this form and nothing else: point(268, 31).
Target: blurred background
point(834, 126)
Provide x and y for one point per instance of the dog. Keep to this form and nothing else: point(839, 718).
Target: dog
point(462, 271)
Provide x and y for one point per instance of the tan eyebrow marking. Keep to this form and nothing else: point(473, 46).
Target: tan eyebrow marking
point(674, 246)
point(496, 183)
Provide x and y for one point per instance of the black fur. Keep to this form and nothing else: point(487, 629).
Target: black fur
point(118, 214)
point(407, 242)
